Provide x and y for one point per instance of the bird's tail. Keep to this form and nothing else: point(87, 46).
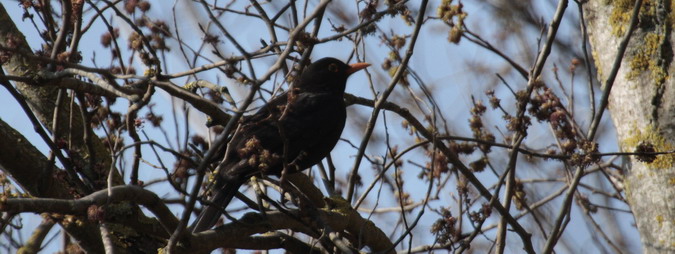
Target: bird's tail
point(210, 213)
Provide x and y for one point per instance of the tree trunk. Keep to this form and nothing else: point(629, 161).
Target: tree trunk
point(642, 106)
point(42, 100)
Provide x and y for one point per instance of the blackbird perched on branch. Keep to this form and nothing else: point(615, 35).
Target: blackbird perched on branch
point(292, 132)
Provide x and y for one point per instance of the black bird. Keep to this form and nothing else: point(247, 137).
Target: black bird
point(296, 129)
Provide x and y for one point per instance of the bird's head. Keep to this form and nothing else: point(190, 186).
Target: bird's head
point(327, 75)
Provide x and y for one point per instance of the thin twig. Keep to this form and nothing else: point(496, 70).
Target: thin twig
point(380, 101)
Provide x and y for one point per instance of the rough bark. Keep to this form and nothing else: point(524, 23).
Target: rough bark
point(15, 162)
point(18, 153)
point(642, 107)
point(42, 100)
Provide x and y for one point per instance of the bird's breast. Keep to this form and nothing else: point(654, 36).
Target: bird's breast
point(303, 131)
point(314, 125)
point(316, 113)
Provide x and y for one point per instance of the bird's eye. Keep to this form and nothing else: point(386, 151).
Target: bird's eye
point(333, 67)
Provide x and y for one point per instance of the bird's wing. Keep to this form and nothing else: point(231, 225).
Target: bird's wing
point(313, 126)
point(271, 108)
point(257, 132)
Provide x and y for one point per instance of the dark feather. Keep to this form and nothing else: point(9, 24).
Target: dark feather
point(298, 129)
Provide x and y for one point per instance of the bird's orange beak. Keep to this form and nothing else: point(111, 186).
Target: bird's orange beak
point(356, 67)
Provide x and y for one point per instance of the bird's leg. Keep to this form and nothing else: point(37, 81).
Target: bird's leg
point(294, 164)
point(282, 134)
point(282, 180)
point(291, 167)
point(259, 193)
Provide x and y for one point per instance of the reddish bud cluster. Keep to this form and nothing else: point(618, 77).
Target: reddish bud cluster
point(445, 228)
